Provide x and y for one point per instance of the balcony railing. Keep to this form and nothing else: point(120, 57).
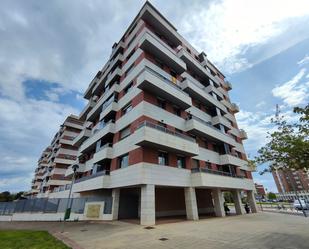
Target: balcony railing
point(162, 77)
point(163, 129)
point(101, 125)
point(100, 173)
point(215, 172)
point(110, 145)
point(209, 125)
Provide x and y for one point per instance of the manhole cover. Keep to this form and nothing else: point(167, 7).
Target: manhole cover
point(148, 228)
point(83, 230)
point(163, 239)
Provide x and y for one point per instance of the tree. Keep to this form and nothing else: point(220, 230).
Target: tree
point(288, 146)
point(271, 196)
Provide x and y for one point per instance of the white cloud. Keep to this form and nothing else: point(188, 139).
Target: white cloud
point(227, 29)
point(294, 91)
point(260, 104)
point(303, 61)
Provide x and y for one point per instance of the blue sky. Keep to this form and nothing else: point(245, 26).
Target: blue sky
point(50, 51)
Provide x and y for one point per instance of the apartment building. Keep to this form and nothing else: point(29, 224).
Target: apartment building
point(291, 180)
point(159, 132)
point(260, 190)
point(56, 158)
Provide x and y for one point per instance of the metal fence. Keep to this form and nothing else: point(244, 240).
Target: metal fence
point(52, 205)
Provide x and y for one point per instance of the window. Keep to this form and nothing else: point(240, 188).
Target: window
point(177, 111)
point(195, 163)
point(163, 158)
point(161, 103)
point(126, 109)
point(159, 63)
point(181, 162)
point(123, 161)
point(188, 50)
point(128, 88)
point(208, 165)
point(125, 132)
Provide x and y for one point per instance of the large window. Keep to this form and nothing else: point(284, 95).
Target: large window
point(123, 161)
point(181, 162)
point(125, 132)
point(162, 158)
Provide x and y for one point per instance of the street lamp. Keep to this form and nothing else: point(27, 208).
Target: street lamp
point(69, 204)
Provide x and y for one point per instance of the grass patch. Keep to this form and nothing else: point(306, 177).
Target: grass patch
point(17, 239)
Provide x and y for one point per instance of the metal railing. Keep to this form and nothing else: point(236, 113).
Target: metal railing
point(164, 129)
point(209, 125)
point(165, 79)
point(52, 205)
point(100, 173)
point(215, 172)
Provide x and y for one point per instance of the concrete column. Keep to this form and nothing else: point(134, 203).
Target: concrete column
point(237, 201)
point(251, 200)
point(191, 204)
point(148, 212)
point(115, 206)
point(218, 202)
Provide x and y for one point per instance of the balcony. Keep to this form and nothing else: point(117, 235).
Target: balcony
point(152, 44)
point(202, 128)
point(87, 109)
point(234, 108)
point(88, 91)
point(227, 85)
point(109, 106)
point(111, 77)
point(202, 177)
point(197, 91)
point(98, 107)
point(64, 160)
point(243, 134)
point(100, 132)
point(221, 120)
point(158, 84)
point(82, 136)
point(156, 136)
point(96, 181)
point(105, 152)
point(232, 160)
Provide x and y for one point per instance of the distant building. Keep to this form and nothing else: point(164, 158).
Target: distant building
point(291, 180)
point(260, 190)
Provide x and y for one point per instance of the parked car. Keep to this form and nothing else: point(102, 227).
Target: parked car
point(299, 204)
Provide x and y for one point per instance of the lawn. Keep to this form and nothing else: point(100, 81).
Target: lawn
point(20, 239)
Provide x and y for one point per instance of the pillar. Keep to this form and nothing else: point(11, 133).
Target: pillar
point(148, 212)
point(218, 202)
point(237, 201)
point(115, 205)
point(251, 200)
point(191, 204)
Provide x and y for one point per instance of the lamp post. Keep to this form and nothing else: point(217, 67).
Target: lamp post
point(68, 208)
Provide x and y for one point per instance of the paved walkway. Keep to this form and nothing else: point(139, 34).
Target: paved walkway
point(258, 231)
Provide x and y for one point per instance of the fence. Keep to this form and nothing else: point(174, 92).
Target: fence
point(52, 205)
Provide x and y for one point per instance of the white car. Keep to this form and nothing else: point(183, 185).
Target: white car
point(303, 205)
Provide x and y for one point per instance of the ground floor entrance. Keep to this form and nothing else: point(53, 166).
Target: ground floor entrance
point(150, 203)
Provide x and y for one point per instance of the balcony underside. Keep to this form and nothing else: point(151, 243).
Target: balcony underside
point(154, 46)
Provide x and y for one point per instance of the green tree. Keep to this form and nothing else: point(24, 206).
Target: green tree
point(288, 146)
point(271, 196)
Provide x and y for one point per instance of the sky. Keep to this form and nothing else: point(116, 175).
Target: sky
point(51, 50)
